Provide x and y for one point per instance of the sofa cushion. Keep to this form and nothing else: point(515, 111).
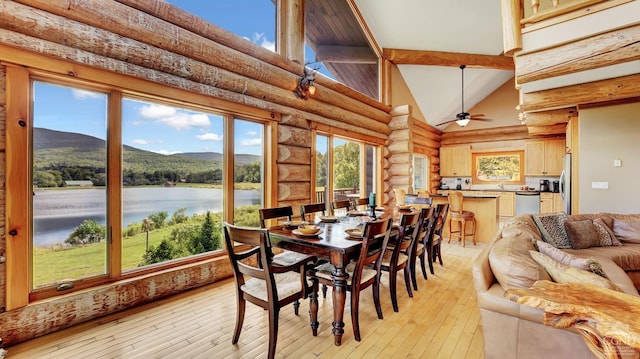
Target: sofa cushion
point(626, 256)
point(627, 231)
point(583, 234)
point(521, 225)
point(569, 259)
point(512, 265)
point(551, 227)
point(605, 232)
point(564, 274)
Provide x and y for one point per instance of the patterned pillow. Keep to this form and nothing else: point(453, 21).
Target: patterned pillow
point(551, 227)
point(605, 234)
point(564, 274)
point(582, 234)
point(589, 264)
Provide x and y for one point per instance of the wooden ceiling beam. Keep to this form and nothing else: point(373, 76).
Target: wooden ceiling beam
point(441, 58)
point(551, 117)
point(603, 91)
point(345, 54)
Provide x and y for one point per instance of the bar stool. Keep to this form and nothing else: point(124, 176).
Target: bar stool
point(459, 215)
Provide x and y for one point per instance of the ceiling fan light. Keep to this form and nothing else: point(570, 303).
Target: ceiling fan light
point(463, 122)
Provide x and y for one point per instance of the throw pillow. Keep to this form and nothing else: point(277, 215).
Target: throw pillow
point(564, 274)
point(512, 265)
point(569, 259)
point(627, 231)
point(582, 234)
point(606, 235)
point(551, 227)
point(601, 224)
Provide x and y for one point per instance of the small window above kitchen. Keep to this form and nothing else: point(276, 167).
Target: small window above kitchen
point(498, 167)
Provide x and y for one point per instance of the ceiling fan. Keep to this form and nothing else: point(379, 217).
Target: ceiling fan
point(463, 118)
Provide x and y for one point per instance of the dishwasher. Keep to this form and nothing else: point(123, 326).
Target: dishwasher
point(527, 202)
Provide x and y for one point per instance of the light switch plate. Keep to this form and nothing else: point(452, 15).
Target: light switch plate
point(600, 185)
point(617, 163)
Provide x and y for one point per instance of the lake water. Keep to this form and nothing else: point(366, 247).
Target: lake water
point(58, 212)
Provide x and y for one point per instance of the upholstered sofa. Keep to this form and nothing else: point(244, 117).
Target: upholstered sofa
point(512, 330)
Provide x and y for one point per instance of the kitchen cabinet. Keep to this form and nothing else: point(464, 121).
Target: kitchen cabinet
point(558, 206)
point(544, 157)
point(507, 204)
point(455, 161)
point(547, 202)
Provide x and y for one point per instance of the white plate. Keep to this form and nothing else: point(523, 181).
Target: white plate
point(329, 219)
point(295, 224)
point(298, 233)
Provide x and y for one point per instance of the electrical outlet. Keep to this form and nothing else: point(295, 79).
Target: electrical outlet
point(600, 185)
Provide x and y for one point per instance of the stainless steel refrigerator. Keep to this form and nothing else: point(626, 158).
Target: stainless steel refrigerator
point(565, 184)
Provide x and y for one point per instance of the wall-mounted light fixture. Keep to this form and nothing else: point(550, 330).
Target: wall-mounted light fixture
point(305, 87)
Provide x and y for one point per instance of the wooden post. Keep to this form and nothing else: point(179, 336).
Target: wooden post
point(511, 32)
point(290, 42)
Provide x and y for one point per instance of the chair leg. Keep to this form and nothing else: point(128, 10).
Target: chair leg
point(355, 317)
point(407, 280)
point(376, 298)
point(273, 332)
point(239, 321)
point(412, 266)
point(324, 291)
point(430, 255)
point(392, 289)
point(296, 306)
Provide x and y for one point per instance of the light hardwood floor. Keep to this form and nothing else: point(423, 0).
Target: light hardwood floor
point(440, 321)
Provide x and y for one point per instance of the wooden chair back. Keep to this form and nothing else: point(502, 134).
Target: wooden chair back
point(374, 242)
point(309, 209)
point(456, 200)
point(362, 203)
point(423, 193)
point(340, 204)
point(419, 202)
point(275, 213)
point(399, 195)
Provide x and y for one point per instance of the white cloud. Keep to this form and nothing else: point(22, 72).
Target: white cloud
point(140, 142)
point(82, 94)
point(261, 39)
point(173, 118)
point(210, 136)
point(165, 152)
point(251, 142)
point(252, 133)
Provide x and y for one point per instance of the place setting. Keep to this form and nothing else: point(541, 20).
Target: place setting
point(307, 231)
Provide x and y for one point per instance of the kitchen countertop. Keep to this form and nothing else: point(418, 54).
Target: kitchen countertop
point(472, 196)
point(495, 190)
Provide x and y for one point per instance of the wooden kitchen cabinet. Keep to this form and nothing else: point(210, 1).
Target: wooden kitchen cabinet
point(455, 161)
point(558, 206)
point(507, 204)
point(544, 157)
point(546, 202)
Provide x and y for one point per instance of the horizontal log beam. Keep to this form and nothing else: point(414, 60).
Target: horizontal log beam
point(551, 117)
point(602, 91)
point(622, 45)
point(436, 133)
point(508, 133)
point(345, 54)
point(440, 58)
point(557, 129)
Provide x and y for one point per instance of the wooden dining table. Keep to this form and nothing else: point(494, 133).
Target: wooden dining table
point(333, 244)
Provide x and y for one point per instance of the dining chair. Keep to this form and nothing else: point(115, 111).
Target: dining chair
point(420, 249)
point(423, 193)
point(365, 271)
point(437, 233)
point(361, 203)
point(309, 209)
point(265, 284)
point(346, 204)
point(275, 213)
point(418, 202)
point(396, 256)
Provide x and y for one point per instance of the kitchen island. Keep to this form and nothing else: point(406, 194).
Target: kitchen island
point(487, 213)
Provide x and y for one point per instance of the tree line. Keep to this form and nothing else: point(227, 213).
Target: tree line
point(55, 176)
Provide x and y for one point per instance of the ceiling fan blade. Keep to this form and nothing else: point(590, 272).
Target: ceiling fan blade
point(448, 121)
point(474, 118)
point(477, 115)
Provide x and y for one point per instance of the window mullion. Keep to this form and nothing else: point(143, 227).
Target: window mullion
point(114, 185)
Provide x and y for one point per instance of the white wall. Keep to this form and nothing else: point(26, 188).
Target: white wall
point(606, 134)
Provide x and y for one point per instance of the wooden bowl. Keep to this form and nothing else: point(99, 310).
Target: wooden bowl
point(308, 229)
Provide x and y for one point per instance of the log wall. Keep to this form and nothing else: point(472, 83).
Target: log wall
point(3, 246)
point(409, 136)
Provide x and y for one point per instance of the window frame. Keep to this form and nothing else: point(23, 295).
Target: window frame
point(474, 166)
point(19, 85)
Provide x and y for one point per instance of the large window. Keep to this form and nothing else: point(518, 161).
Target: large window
point(345, 169)
point(122, 183)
